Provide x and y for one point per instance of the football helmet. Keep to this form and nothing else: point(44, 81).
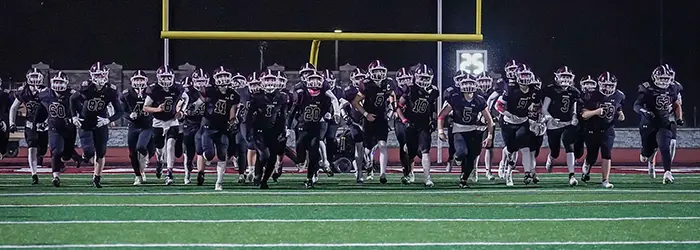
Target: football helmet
point(564, 77)
point(663, 76)
point(588, 84)
point(377, 71)
point(59, 82)
point(253, 82)
point(165, 76)
point(186, 82)
point(607, 83)
point(330, 78)
point(524, 75)
point(268, 81)
point(200, 79)
point(238, 81)
point(357, 76)
point(138, 80)
point(314, 80)
point(468, 84)
point(35, 77)
point(423, 76)
point(306, 70)
point(537, 83)
point(222, 77)
point(282, 80)
point(404, 77)
point(510, 69)
point(484, 81)
point(99, 74)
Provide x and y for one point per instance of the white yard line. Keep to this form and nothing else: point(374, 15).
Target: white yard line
point(353, 192)
point(346, 220)
point(285, 204)
point(302, 245)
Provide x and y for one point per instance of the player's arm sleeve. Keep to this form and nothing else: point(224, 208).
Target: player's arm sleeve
point(492, 100)
point(13, 111)
point(334, 102)
point(76, 101)
point(545, 106)
point(638, 104)
point(182, 102)
point(248, 122)
point(292, 110)
point(118, 111)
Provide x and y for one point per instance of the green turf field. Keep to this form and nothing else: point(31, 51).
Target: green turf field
point(639, 213)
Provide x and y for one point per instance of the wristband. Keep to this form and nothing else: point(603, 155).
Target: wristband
point(404, 120)
point(365, 114)
point(441, 131)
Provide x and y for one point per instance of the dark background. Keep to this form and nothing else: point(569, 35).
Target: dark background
point(628, 38)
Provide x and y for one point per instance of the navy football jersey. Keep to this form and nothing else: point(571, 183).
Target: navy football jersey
point(266, 111)
point(376, 97)
point(562, 101)
point(610, 104)
point(194, 110)
point(466, 112)
point(309, 110)
point(420, 104)
point(352, 114)
point(5, 100)
point(57, 107)
point(218, 106)
point(35, 111)
point(168, 98)
point(658, 101)
point(133, 103)
point(89, 103)
point(520, 103)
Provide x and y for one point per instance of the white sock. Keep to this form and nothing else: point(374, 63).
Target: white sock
point(533, 162)
point(143, 161)
point(487, 160)
point(322, 150)
point(527, 162)
point(505, 155)
point(32, 158)
point(359, 159)
point(383, 157)
point(160, 154)
point(425, 161)
point(56, 174)
point(570, 162)
point(673, 149)
point(220, 170)
point(170, 153)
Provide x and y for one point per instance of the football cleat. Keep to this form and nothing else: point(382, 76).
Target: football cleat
point(256, 180)
point(143, 177)
point(411, 177)
point(200, 178)
point(501, 170)
point(382, 179)
point(573, 181)
point(509, 177)
point(35, 179)
point(187, 176)
point(585, 177)
point(275, 176)
point(548, 165)
point(96, 181)
point(56, 182)
point(489, 176)
point(308, 184)
point(527, 179)
point(250, 175)
point(315, 178)
point(534, 178)
point(218, 187)
point(586, 169)
point(370, 174)
point(463, 184)
point(300, 167)
point(668, 178)
point(138, 181)
point(606, 184)
point(405, 180)
point(360, 180)
point(264, 185)
point(169, 178)
point(241, 178)
point(326, 166)
point(474, 176)
point(429, 183)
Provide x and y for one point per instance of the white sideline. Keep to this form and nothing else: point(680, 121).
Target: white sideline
point(285, 204)
point(351, 192)
point(398, 244)
point(345, 220)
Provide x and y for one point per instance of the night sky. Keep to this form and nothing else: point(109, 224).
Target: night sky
point(628, 38)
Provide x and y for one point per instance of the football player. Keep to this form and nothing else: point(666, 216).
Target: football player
point(221, 103)
point(404, 79)
point(193, 110)
point(375, 92)
point(510, 71)
point(35, 134)
point(559, 108)
point(62, 132)
point(239, 84)
point(467, 109)
point(89, 113)
point(417, 112)
point(140, 124)
point(4, 108)
point(538, 127)
point(266, 110)
point(657, 104)
point(161, 101)
point(309, 108)
point(602, 109)
point(328, 143)
point(491, 94)
point(353, 120)
point(588, 85)
point(520, 100)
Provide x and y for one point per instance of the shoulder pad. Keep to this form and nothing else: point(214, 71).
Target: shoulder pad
point(45, 90)
point(72, 91)
point(20, 88)
point(124, 92)
point(644, 87)
point(85, 84)
point(114, 87)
